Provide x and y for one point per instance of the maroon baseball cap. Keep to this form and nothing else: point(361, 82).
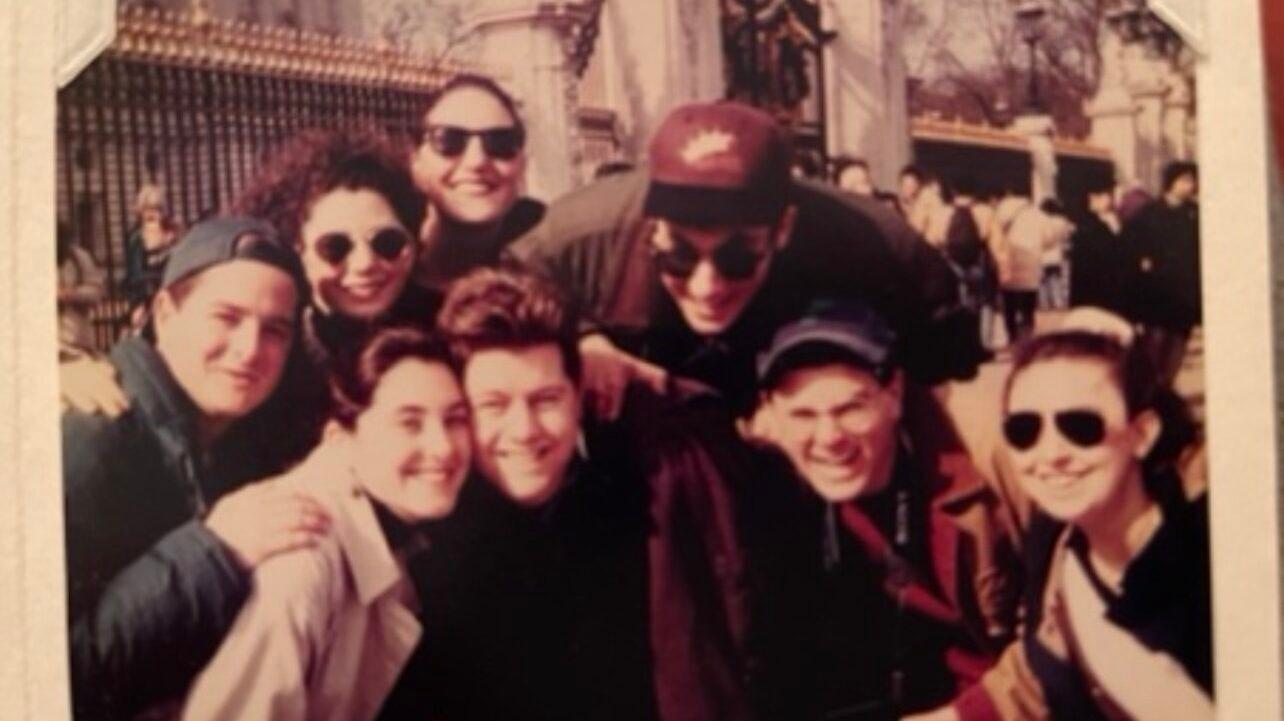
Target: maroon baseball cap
point(721, 163)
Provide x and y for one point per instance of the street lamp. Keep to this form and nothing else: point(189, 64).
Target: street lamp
point(1029, 23)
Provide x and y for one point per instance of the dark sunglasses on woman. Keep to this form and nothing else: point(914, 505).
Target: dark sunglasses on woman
point(388, 244)
point(450, 141)
point(734, 259)
point(1084, 428)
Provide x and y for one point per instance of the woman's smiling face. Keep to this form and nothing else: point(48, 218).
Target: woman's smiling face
point(473, 186)
point(413, 445)
point(1075, 401)
point(364, 282)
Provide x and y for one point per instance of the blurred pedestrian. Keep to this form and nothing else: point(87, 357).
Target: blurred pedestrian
point(1018, 238)
point(148, 244)
point(1099, 267)
point(1054, 293)
point(1163, 241)
point(81, 284)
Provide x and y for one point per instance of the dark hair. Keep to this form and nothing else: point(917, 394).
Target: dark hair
point(819, 354)
point(511, 309)
point(1052, 206)
point(470, 80)
point(315, 162)
point(912, 171)
point(612, 167)
point(1175, 170)
point(808, 163)
point(1097, 182)
point(353, 381)
point(1136, 375)
point(843, 162)
point(964, 182)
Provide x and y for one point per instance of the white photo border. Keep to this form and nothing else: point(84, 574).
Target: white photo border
point(1241, 396)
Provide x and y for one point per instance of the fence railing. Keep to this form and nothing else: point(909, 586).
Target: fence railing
point(193, 105)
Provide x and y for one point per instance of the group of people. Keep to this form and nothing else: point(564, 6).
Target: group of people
point(394, 441)
point(1121, 250)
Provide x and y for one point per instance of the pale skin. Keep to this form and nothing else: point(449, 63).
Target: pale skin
point(229, 339)
point(708, 302)
point(1105, 499)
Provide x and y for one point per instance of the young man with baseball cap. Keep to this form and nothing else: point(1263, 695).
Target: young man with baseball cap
point(571, 584)
point(899, 586)
point(689, 266)
point(161, 531)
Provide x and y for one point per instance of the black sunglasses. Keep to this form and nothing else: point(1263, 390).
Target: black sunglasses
point(734, 259)
point(388, 244)
point(450, 141)
point(1083, 428)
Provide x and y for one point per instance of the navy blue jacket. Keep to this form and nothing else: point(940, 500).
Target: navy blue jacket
point(151, 591)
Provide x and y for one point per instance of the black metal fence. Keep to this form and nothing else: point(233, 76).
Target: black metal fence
point(197, 132)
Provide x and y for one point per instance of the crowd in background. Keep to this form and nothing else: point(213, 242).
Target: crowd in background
point(1111, 246)
point(391, 440)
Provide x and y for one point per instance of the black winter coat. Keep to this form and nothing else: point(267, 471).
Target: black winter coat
point(151, 591)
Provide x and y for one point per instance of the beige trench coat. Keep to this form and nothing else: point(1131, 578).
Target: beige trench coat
point(326, 631)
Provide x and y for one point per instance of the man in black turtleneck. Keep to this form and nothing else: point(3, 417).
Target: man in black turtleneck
point(590, 573)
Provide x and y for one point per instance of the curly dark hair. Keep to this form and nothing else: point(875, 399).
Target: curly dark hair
point(511, 309)
point(315, 162)
point(353, 381)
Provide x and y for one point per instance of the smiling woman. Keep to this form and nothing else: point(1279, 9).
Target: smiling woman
point(327, 630)
point(471, 162)
point(1118, 593)
point(346, 202)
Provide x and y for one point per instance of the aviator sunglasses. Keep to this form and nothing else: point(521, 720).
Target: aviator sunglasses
point(450, 141)
point(734, 259)
point(388, 244)
point(1084, 428)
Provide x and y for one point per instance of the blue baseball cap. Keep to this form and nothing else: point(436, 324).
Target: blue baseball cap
point(219, 240)
point(851, 327)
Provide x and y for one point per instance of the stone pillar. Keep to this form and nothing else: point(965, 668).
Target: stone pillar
point(658, 54)
point(1112, 111)
point(1148, 127)
point(525, 42)
point(866, 112)
point(1038, 130)
point(1178, 114)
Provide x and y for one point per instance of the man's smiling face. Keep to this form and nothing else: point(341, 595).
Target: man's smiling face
point(838, 425)
point(526, 416)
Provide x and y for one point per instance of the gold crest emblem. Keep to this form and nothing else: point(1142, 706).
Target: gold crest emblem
point(706, 143)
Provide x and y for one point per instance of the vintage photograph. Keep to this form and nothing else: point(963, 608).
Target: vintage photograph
point(679, 360)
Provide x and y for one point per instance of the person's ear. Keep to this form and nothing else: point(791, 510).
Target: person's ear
point(1147, 427)
point(164, 308)
point(334, 433)
point(785, 227)
point(763, 425)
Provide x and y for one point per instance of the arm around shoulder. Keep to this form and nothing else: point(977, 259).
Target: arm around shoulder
point(263, 667)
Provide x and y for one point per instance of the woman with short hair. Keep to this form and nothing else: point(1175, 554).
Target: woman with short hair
point(328, 629)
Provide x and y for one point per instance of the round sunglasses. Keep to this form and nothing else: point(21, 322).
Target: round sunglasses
point(450, 141)
point(388, 244)
point(734, 259)
point(1084, 428)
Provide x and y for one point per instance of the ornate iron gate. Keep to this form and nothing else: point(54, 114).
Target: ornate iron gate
point(193, 105)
